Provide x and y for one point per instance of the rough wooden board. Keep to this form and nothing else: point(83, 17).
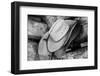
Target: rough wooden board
point(81, 53)
point(31, 50)
point(36, 28)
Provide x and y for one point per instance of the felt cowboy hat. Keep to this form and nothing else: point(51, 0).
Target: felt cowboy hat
point(57, 36)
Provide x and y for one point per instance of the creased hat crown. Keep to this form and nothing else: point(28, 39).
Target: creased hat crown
point(58, 34)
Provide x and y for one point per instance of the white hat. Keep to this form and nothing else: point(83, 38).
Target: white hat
point(56, 37)
point(59, 33)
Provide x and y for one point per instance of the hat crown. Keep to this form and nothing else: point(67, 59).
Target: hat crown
point(58, 34)
point(59, 30)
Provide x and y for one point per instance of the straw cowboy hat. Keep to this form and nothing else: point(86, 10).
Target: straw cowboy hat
point(61, 33)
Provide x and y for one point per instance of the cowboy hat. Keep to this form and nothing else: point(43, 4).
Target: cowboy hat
point(71, 35)
point(55, 38)
point(59, 33)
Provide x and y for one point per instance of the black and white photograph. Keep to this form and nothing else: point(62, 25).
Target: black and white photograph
point(57, 37)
